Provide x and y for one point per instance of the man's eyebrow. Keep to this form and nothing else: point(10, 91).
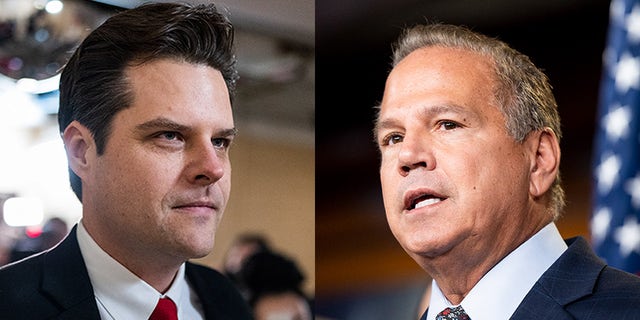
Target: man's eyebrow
point(384, 124)
point(228, 132)
point(162, 123)
point(170, 125)
point(444, 108)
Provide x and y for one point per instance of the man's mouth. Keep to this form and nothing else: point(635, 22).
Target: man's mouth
point(417, 200)
point(196, 204)
point(425, 202)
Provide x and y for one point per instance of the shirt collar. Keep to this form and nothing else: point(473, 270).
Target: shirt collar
point(113, 283)
point(518, 271)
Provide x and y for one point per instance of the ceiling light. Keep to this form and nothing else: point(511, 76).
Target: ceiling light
point(23, 211)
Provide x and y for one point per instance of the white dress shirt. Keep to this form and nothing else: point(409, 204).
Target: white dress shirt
point(499, 292)
point(120, 294)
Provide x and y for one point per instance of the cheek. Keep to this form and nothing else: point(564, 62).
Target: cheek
point(492, 179)
point(480, 165)
point(225, 187)
point(465, 169)
point(225, 181)
point(387, 183)
point(144, 176)
point(387, 169)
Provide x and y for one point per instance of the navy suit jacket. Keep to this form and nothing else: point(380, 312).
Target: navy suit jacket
point(580, 286)
point(55, 285)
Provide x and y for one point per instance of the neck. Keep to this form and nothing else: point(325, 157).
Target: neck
point(159, 276)
point(457, 281)
point(456, 272)
point(156, 269)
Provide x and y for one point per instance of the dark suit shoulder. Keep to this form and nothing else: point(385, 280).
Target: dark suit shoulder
point(50, 285)
point(579, 285)
point(615, 295)
point(219, 296)
point(20, 294)
point(615, 280)
point(19, 279)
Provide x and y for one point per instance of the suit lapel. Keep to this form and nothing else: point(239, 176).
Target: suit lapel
point(203, 290)
point(570, 278)
point(66, 282)
point(218, 296)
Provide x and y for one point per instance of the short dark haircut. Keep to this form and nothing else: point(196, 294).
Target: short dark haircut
point(93, 86)
point(269, 272)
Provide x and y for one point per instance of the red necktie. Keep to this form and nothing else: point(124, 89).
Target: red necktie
point(165, 310)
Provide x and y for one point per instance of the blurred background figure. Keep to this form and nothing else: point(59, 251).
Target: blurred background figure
point(274, 286)
point(34, 241)
point(241, 248)
point(53, 232)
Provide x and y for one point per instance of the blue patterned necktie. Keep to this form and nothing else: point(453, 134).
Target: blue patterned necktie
point(456, 313)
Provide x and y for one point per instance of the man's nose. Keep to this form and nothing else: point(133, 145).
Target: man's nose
point(207, 164)
point(415, 152)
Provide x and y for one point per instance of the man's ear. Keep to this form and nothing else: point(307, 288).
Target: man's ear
point(78, 143)
point(546, 162)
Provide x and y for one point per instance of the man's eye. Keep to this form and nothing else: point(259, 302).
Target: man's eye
point(448, 125)
point(169, 135)
point(221, 143)
point(391, 139)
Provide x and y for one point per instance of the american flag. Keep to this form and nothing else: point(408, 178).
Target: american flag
point(615, 220)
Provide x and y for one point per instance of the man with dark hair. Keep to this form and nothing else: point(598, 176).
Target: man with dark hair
point(241, 248)
point(274, 287)
point(146, 119)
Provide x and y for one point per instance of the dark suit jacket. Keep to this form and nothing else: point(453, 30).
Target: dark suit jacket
point(55, 285)
point(581, 286)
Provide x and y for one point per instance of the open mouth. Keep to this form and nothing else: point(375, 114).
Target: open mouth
point(422, 200)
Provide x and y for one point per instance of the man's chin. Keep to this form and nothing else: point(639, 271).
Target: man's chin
point(196, 250)
point(426, 247)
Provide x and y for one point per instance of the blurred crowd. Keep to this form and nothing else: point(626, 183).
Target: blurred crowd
point(17, 243)
point(270, 281)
